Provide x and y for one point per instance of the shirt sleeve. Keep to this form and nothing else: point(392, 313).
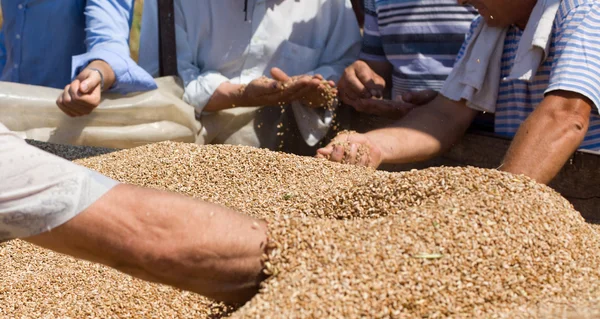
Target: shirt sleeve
point(576, 63)
point(40, 191)
point(2, 52)
point(107, 39)
point(372, 46)
point(343, 46)
point(199, 85)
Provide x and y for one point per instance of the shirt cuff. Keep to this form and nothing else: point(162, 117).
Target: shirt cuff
point(130, 77)
point(198, 92)
point(327, 72)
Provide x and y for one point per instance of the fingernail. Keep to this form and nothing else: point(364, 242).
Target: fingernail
point(84, 86)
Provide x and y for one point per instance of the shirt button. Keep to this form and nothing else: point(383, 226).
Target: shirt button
point(20, 6)
point(18, 36)
point(16, 65)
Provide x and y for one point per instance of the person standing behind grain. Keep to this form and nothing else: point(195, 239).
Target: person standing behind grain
point(408, 45)
point(534, 63)
point(224, 49)
point(149, 234)
point(80, 46)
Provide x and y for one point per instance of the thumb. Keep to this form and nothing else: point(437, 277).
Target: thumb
point(279, 75)
point(90, 82)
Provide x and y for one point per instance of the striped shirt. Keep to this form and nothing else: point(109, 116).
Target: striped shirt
point(420, 38)
point(573, 64)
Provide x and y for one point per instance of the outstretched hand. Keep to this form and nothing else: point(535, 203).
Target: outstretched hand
point(349, 147)
point(312, 91)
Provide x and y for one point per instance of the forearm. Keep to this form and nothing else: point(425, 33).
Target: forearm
point(167, 238)
point(226, 96)
point(424, 133)
point(547, 139)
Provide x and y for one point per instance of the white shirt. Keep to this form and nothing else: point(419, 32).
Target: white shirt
point(40, 191)
point(215, 44)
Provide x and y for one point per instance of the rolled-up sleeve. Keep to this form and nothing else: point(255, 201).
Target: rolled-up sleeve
point(107, 39)
point(40, 191)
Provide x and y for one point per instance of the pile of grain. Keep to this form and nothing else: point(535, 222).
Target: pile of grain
point(353, 242)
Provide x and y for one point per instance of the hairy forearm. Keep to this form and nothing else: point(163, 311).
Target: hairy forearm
point(167, 238)
point(107, 72)
point(424, 133)
point(547, 139)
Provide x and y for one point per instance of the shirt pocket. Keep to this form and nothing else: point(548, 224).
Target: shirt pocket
point(298, 59)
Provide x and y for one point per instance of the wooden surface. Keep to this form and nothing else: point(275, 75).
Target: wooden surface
point(578, 181)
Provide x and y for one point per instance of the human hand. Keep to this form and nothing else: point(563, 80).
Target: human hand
point(349, 147)
point(83, 95)
point(360, 82)
point(395, 109)
point(316, 92)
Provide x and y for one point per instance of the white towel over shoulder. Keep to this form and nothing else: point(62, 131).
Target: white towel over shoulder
point(476, 76)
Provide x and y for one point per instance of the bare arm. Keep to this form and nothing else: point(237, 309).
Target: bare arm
point(422, 134)
point(425, 132)
point(167, 238)
point(549, 136)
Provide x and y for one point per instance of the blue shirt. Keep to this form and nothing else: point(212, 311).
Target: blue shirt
point(573, 64)
point(48, 42)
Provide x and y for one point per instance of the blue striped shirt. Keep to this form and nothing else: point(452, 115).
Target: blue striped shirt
point(420, 38)
point(573, 64)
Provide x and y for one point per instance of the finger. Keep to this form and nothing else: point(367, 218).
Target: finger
point(348, 97)
point(75, 103)
point(373, 83)
point(80, 104)
point(359, 106)
point(66, 95)
point(350, 154)
point(376, 107)
point(376, 85)
point(319, 76)
point(420, 97)
point(303, 95)
point(74, 89)
point(355, 85)
point(337, 155)
point(279, 75)
point(66, 103)
point(62, 107)
point(302, 83)
point(90, 83)
point(392, 109)
point(364, 159)
point(324, 152)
